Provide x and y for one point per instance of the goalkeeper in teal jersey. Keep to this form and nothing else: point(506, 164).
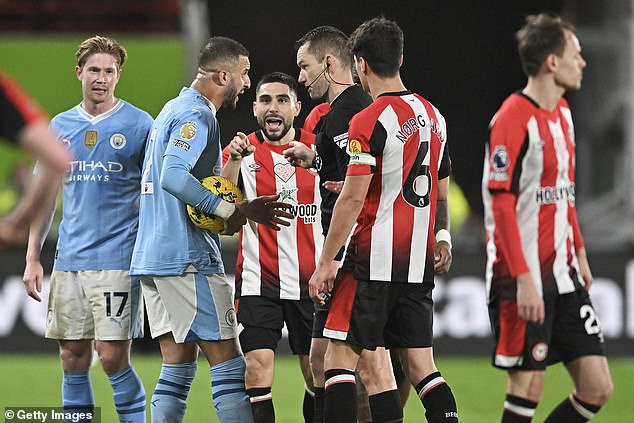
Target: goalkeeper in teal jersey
point(188, 299)
point(92, 296)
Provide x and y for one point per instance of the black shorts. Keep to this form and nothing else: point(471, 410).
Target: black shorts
point(321, 314)
point(370, 314)
point(263, 318)
point(570, 330)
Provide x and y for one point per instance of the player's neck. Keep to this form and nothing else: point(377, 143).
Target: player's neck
point(544, 91)
point(96, 109)
point(378, 86)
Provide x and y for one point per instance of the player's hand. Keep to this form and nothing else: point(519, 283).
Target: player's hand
point(321, 282)
point(240, 147)
point(530, 305)
point(266, 210)
point(333, 186)
point(299, 154)
point(442, 258)
point(584, 268)
point(33, 275)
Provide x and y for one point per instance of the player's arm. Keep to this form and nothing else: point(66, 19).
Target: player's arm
point(54, 160)
point(33, 271)
point(442, 249)
point(580, 250)
point(300, 155)
point(345, 213)
point(176, 179)
point(238, 148)
point(508, 135)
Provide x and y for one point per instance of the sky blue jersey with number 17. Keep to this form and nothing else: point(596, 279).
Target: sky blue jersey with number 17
point(101, 191)
point(168, 242)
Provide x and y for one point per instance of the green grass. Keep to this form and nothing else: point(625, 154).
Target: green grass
point(34, 381)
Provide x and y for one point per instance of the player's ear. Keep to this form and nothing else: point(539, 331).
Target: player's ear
point(78, 72)
point(255, 105)
point(298, 107)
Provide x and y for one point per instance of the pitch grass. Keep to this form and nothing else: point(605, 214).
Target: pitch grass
point(34, 381)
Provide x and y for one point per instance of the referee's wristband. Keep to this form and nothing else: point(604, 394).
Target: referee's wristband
point(225, 209)
point(443, 235)
point(316, 163)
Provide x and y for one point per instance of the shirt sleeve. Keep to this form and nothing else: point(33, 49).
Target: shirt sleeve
point(507, 231)
point(189, 135)
point(363, 147)
point(507, 142)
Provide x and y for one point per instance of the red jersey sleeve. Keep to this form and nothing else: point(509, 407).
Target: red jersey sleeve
point(508, 138)
point(508, 134)
point(364, 133)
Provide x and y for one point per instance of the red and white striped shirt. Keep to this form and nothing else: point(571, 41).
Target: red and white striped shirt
point(271, 263)
point(528, 189)
point(401, 139)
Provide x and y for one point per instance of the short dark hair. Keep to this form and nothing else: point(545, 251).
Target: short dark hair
point(380, 42)
point(542, 35)
point(219, 51)
point(327, 39)
point(282, 78)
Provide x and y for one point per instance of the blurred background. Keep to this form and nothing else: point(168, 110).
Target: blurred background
point(459, 55)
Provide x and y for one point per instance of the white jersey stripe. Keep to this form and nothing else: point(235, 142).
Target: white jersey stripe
point(251, 273)
point(420, 231)
point(383, 229)
point(288, 262)
point(562, 229)
point(527, 208)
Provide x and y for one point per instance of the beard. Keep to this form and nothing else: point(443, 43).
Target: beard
point(277, 135)
point(230, 100)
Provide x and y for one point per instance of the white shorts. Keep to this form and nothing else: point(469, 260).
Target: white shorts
point(105, 305)
point(194, 307)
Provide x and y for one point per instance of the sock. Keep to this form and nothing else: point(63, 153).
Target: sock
point(169, 401)
point(573, 410)
point(319, 404)
point(386, 407)
point(308, 406)
point(230, 398)
point(262, 405)
point(77, 396)
point(129, 395)
point(439, 402)
point(518, 410)
point(340, 397)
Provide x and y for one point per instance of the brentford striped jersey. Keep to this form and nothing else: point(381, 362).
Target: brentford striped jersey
point(271, 263)
point(400, 139)
point(528, 190)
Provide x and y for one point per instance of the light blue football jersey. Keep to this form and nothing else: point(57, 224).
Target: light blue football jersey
point(168, 242)
point(100, 193)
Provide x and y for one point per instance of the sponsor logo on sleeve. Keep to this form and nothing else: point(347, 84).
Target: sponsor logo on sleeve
point(499, 164)
point(354, 146)
point(181, 144)
point(188, 130)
